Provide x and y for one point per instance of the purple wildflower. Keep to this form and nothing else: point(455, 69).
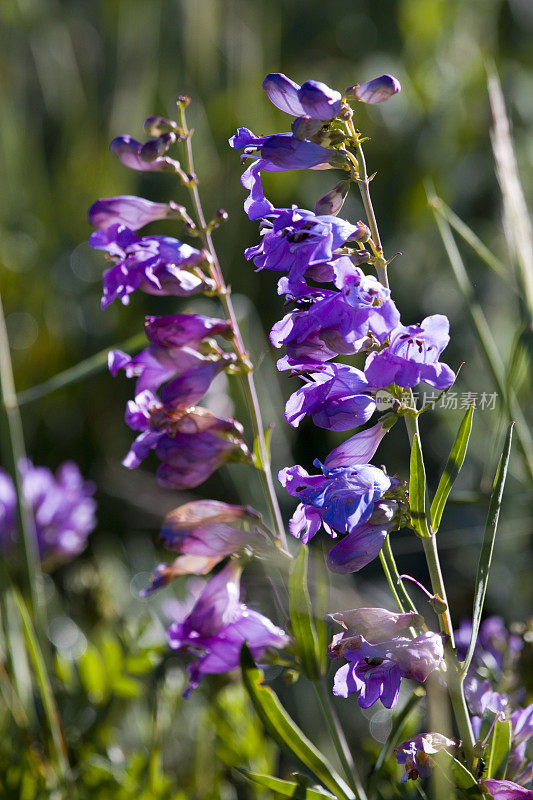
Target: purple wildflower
point(313, 98)
point(360, 448)
point(364, 542)
point(157, 265)
point(495, 648)
point(506, 790)
point(377, 90)
point(218, 625)
point(178, 330)
point(415, 754)
point(133, 212)
point(413, 356)
point(148, 157)
point(375, 624)
point(62, 505)
point(375, 671)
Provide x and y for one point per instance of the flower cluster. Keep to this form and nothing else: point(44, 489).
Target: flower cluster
point(62, 506)
point(185, 354)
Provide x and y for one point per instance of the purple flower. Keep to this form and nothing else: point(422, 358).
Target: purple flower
point(481, 696)
point(377, 90)
point(506, 790)
point(360, 448)
point(178, 330)
point(278, 153)
point(218, 625)
point(148, 157)
point(312, 98)
point(364, 542)
point(375, 624)
point(133, 212)
point(190, 441)
point(335, 399)
point(495, 648)
point(375, 671)
point(413, 356)
point(157, 265)
point(338, 499)
point(62, 505)
point(415, 754)
point(366, 294)
point(298, 240)
point(200, 533)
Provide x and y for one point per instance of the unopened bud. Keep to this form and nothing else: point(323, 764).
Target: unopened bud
point(156, 125)
point(375, 91)
point(155, 148)
point(438, 604)
point(305, 127)
point(333, 201)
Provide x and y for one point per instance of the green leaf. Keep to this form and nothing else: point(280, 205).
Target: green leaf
point(93, 675)
point(287, 788)
point(497, 752)
point(124, 686)
point(485, 558)
point(321, 604)
point(262, 455)
point(417, 491)
point(301, 612)
point(452, 468)
point(285, 731)
point(456, 773)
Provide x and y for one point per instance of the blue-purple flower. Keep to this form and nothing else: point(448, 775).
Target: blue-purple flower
point(148, 157)
point(415, 754)
point(360, 447)
point(159, 265)
point(375, 624)
point(63, 508)
point(376, 90)
point(129, 210)
point(506, 790)
point(312, 99)
point(495, 648)
point(375, 671)
point(218, 625)
point(413, 356)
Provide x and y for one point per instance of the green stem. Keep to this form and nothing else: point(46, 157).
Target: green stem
point(397, 586)
point(339, 740)
point(13, 452)
point(247, 378)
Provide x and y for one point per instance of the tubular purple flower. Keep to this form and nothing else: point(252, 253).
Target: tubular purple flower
point(133, 212)
point(312, 98)
point(375, 91)
point(332, 202)
point(506, 790)
point(63, 508)
point(177, 330)
point(375, 671)
point(335, 399)
point(361, 546)
point(158, 265)
point(148, 157)
point(415, 754)
point(360, 448)
point(374, 624)
point(413, 356)
point(495, 645)
point(218, 625)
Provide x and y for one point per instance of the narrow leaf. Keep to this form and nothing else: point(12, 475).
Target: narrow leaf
point(452, 468)
point(301, 612)
point(285, 731)
point(485, 558)
point(287, 788)
point(497, 753)
point(321, 605)
point(417, 491)
point(462, 778)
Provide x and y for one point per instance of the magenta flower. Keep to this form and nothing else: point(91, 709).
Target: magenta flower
point(415, 754)
point(62, 505)
point(413, 356)
point(506, 790)
point(217, 627)
point(157, 265)
point(375, 671)
point(313, 98)
point(178, 330)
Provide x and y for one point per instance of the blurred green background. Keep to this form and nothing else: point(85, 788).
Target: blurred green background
point(77, 73)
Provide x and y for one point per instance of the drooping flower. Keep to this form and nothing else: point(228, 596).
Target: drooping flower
point(376, 90)
point(360, 447)
point(415, 754)
point(506, 790)
point(336, 398)
point(190, 441)
point(295, 240)
point(313, 98)
point(129, 210)
point(148, 157)
point(375, 624)
point(413, 356)
point(218, 625)
point(159, 265)
point(496, 646)
point(375, 671)
point(63, 508)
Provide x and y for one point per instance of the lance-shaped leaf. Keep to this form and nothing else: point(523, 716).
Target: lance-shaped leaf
point(302, 622)
point(452, 468)
point(417, 491)
point(453, 769)
point(497, 752)
point(285, 731)
point(485, 558)
point(287, 788)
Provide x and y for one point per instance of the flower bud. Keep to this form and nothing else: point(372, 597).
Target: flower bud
point(375, 91)
point(306, 127)
point(358, 449)
point(156, 125)
point(134, 212)
point(333, 201)
point(154, 148)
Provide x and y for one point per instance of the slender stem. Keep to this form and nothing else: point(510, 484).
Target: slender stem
point(13, 452)
point(339, 740)
point(247, 378)
point(401, 595)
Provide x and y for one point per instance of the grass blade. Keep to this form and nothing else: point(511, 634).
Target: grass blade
point(497, 753)
point(287, 788)
point(452, 468)
point(487, 547)
point(285, 731)
point(417, 491)
point(301, 612)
